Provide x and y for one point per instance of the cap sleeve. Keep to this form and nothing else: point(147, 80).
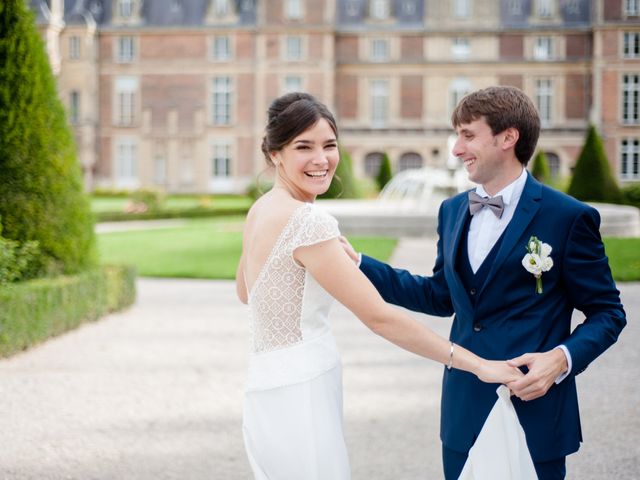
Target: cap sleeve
point(313, 225)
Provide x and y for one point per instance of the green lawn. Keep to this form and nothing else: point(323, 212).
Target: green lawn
point(210, 248)
point(203, 248)
point(624, 258)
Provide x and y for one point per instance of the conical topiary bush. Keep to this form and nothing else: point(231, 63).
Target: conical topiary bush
point(343, 184)
point(41, 193)
point(592, 178)
point(384, 174)
point(540, 168)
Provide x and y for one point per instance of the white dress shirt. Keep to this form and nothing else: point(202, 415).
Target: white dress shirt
point(485, 230)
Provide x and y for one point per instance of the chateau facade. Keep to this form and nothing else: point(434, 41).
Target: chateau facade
point(173, 93)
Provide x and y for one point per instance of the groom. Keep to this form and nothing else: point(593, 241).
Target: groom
point(480, 276)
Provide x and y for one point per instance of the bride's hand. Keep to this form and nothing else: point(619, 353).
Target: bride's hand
point(493, 371)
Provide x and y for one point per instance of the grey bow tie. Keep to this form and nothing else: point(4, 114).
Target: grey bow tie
point(476, 203)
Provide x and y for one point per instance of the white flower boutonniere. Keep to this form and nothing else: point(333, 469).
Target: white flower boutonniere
point(537, 260)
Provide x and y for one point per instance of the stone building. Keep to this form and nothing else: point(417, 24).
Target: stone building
point(173, 93)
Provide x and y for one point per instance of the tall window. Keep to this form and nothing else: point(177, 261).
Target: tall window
point(631, 98)
point(458, 89)
point(462, 8)
point(379, 95)
point(460, 49)
point(554, 164)
point(372, 163)
point(543, 49)
point(293, 9)
point(632, 8)
point(221, 48)
point(221, 101)
point(630, 159)
point(544, 100)
point(545, 8)
point(293, 48)
point(293, 83)
point(160, 169)
point(74, 48)
point(379, 9)
point(631, 45)
point(74, 107)
point(126, 168)
point(221, 160)
point(125, 8)
point(125, 49)
point(126, 90)
point(379, 50)
point(409, 161)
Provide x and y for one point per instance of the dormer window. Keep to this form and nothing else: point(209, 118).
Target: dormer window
point(545, 8)
point(222, 11)
point(125, 8)
point(379, 9)
point(221, 8)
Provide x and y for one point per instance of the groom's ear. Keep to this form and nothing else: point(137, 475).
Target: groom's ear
point(510, 138)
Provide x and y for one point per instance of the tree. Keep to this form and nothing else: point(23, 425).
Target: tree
point(41, 187)
point(592, 178)
point(343, 183)
point(384, 174)
point(540, 169)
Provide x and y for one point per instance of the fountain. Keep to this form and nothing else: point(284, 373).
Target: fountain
point(407, 205)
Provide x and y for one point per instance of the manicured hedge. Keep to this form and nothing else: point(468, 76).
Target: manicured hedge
point(32, 311)
point(195, 212)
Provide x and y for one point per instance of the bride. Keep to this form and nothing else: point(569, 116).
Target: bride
point(291, 269)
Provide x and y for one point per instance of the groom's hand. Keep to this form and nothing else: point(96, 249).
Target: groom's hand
point(544, 369)
point(347, 247)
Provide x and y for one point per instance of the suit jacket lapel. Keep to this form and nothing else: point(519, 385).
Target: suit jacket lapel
point(458, 230)
point(528, 206)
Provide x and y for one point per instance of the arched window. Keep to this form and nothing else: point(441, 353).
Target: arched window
point(410, 160)
point(554, 164)
point(372, 163)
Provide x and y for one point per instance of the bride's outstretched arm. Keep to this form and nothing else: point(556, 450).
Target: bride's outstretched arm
point(339, 276)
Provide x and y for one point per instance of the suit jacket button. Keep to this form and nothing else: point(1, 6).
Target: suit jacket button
point(477, 327)
point(472, 291)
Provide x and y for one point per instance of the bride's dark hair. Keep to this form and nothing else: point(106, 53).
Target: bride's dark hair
point(289, 116)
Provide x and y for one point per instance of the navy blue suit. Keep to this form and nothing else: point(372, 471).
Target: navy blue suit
point(505, 317)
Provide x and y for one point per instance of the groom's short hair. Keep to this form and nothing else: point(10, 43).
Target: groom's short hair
point(503, 107)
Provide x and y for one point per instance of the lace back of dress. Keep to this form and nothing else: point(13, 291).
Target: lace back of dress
point(277, 296)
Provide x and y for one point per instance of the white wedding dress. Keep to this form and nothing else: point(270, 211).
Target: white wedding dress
point(293, 400)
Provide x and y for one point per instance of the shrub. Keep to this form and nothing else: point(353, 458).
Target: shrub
point(540, 169)
point(384, 174)
point(631, 194)
point(343, 183)
point(146, 200)
point(15, 259)
point(592, 178)
point(32, 311)
point(41, 187)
